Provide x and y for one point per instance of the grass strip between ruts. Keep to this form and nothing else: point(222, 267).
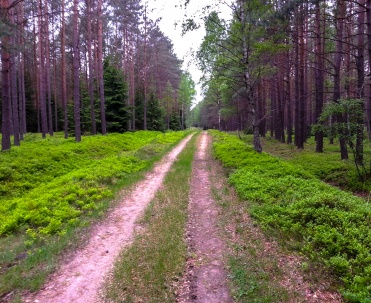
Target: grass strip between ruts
point(149, 270)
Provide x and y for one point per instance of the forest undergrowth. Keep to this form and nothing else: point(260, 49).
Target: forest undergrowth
point(327, 166)
point(53, 188)
point(309, 216)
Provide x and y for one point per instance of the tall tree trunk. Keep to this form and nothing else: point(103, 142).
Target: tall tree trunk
point(21, 78)
point(5, 82)
point(251, 102)
point(133, 94)
point(299, 81)
point(145, 71)
point(13, 82)
point(273, 108)
point(14, 95)
point(341, 9)
point(91, 68)
point(319, 81)
point(261, 109)
point(288, 99)
point(360, 64)
point(76, 70)
point(64, 78)
point(42, 86)
point(282, 104)
point(36, 76)
point(56, 120)
point(100, 67)
point(368, 22)
point(47, 68)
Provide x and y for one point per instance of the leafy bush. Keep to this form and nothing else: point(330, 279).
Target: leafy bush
point(49, 183)
point(327, 166)
point(329, 224)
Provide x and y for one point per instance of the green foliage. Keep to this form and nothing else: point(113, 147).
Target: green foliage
point(186, 94)
point(72, 200)
point(350, 109)
point(253, 281)
point(48, 184)
point(155, 114)
point(328, 224)
point(115, 93)
point(326, 166)
point(348, 124)
point(175, 122)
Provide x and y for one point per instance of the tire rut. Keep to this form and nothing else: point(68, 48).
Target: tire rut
point(206, 277)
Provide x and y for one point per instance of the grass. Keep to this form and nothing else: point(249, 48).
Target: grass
point(149, 270)
point(28, 256)
point(316, 219)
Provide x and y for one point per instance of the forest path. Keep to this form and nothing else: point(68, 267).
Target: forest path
point(206, 277)
point(80, 279)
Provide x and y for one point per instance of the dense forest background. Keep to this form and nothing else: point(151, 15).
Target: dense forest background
point(289, 68)
point(85, 67)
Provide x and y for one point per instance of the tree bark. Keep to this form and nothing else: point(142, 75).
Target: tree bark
point(288, 99)
point(47, 69)
point(319, 81)
point(100, 67)
point(76, 70)
point(145, 71)
point(247, 81)
point(42, 92)
point(13, 82)
point(299, 81)
point(14, 96)
point(91, 68)
point(64, 78)
point(360, 64)
point(21, 78)
point(341, 9)
point(5, 82)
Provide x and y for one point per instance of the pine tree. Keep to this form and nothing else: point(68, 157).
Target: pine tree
point(155, 115)
point(115, 92)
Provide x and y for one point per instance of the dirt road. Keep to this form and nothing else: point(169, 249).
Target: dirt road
point(206, 277)
point(80, 279)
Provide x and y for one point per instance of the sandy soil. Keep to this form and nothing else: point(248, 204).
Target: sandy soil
point(206, 278)
point(80, 279)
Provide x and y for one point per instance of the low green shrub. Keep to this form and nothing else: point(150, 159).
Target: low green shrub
point(71, 186)
point(56, 180)
point(326, 166)
point(328, 224)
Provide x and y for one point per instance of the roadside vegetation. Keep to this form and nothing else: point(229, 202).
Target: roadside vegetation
point(327, 166)
point(312, 217)
point(253, 262)
point(149, 270)
point(52, 189)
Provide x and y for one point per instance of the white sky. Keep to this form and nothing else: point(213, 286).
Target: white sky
point(171, 13)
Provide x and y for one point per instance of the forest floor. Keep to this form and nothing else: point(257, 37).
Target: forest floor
point(209, 239)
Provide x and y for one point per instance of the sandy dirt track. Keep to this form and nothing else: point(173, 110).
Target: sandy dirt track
point(79, 280)
point(206, 278)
